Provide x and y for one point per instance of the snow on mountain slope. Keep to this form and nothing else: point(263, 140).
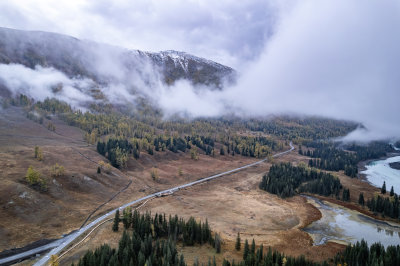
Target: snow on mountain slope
point(104, 63)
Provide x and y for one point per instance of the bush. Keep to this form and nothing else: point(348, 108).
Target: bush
point(154, 174)
point(34, 179)
point(57, 170)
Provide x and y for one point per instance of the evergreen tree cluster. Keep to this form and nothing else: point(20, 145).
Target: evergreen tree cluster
point(145, 125)
point(299, 129)
point(374, 150)
point(135, 250)
point(117, 151)
point(257, 257)
point(387, 206)
point(361, 254)
point(189, 232)
point(173, 144)
point(54, 106)
point(329, 156)
point(153, 240)
point(333, 159)
point(22, 100)
point(283, 179)
point(250, 146)
point(326, 185)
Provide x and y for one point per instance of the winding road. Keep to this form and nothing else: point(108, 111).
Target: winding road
point(61, 243)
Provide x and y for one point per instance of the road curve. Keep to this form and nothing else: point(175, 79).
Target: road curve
point(60, 244)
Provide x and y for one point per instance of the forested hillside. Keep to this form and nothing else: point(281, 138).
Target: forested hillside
point(334, 156)
point(121, 135)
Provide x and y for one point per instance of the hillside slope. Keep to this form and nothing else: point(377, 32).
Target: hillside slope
point(105, 63)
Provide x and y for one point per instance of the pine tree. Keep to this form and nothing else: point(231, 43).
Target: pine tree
point(383, 189)
point(246, 249)
point(237, 245)
point(392, 192)
point(253, 247)
point(346, 194)
point(361, 199)
point(116, 221)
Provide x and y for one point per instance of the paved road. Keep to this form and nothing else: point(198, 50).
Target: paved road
point(60, 244)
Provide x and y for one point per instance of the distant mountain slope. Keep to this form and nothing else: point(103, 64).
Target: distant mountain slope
point(104, 63)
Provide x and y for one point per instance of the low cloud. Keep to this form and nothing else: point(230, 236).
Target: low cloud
point(230, 32)
point(336, 59)
point(40, 83)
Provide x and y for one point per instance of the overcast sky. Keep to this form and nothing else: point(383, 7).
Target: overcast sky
point(228, 31)
point(335, 58)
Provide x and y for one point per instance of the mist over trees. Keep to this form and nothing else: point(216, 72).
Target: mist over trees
point(120, 136)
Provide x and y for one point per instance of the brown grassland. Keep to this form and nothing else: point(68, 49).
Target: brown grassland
point(232, 203)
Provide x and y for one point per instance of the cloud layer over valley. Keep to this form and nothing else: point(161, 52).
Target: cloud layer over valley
point(335, 59)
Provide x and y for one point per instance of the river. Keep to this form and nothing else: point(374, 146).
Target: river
point(347, 226)
point(378, 171)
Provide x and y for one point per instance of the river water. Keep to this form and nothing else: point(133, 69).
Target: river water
point(346, 226)
point(378, 171)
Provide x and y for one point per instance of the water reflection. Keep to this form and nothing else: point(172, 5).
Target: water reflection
point(344, 225)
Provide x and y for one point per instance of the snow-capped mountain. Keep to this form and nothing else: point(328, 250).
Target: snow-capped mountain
point(103, 63)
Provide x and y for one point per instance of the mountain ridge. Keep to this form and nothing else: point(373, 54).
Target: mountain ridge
point(82, 58)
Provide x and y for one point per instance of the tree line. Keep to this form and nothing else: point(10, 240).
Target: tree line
point(387, 206)
point(284, 180)
point(145, 114)
point(362, 254)
point(153, 240)
point(329, 156)
point(135, 250)
point(253, 256)
point(147, 124)
point(190, 232)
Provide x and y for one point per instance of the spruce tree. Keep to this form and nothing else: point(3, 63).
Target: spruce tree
point(346, 194)
point(253, 247)
point(361, 199)
point(246, 249)
point(392, 192)
point(383, 189)
point(116, 221)
point(237, 245)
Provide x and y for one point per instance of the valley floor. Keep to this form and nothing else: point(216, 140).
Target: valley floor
point(232, 203)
